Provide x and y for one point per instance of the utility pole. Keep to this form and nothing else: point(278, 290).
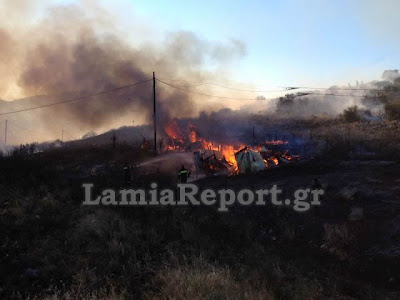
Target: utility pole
point(62, 135)
point(114, 140)
point(5, 136)
point(154, 114)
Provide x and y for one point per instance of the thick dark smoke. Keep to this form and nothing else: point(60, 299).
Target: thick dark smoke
point(72, 53)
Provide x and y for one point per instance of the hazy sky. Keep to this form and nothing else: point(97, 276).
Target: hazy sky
point(282, 43)
point(289, 42)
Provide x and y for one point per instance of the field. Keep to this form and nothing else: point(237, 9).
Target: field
point(53, 247)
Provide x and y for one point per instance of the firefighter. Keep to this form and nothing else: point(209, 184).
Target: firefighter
point(315, 184)
point(127, 173)
point(183, 175)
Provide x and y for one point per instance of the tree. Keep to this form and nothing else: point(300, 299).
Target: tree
point(31, 148)
point(285, 104)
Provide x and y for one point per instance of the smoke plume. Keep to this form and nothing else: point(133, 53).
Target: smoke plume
point(74, 50)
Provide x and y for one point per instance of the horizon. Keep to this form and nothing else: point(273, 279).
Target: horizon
point(283, 43)
point(262, 47)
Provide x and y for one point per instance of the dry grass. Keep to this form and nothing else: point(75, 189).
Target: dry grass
point(119, 253)
point(203, 280)
point(345, 240)
point(72, 294)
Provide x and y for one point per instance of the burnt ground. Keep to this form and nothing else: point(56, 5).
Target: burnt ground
point(53, 247)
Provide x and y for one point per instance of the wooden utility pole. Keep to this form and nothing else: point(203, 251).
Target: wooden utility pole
point(154, 114)
point(114, 140)
point(62, 135)
point(5, 135)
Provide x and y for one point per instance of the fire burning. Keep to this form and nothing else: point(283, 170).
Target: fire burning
point(173, 130)
point(234, 158)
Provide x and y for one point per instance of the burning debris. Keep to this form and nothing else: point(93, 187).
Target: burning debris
point(235, 158)
point(250, 161)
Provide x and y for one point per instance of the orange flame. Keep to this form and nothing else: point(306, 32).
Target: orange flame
point(228, 153)
point(179, 137)
point(173, 130)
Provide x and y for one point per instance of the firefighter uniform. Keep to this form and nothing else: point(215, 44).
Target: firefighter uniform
point(183, 175)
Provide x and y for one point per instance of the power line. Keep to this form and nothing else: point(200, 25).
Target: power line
point(299, 95)
point(342, 89)
point(335, 95)
point(10, 136)
point(18, 136)
point(208, 95)
point(190, 85)
point(284, 88)
point(288, 88)
point(27, 129)
point(231, 88)
point(76, 99)
point(34, 131)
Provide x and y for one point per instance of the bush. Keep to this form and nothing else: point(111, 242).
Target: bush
point(285, 105)
point(351, 114)
point(89, 135)
point(392, 110)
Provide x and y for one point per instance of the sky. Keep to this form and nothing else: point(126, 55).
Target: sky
point(315, 43)
point(310, 42)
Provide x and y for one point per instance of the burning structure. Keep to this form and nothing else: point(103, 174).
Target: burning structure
point(225, 158)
